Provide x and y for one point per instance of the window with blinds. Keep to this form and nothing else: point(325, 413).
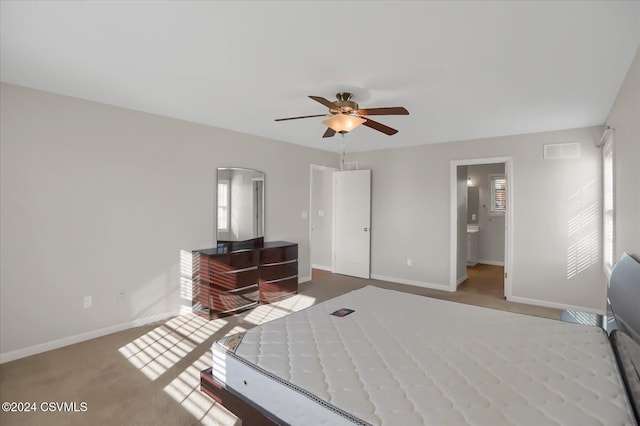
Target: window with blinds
point(223, 205)
point(608, 210)
point(498, 194)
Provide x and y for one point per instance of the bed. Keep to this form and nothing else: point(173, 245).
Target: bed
point(353, 360)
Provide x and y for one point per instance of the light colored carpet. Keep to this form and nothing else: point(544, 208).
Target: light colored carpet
point(150, 375)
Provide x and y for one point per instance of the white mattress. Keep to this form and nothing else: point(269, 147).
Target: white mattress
point(401, 359)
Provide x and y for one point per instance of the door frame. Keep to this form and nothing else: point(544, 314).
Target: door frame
point(318, 167)
point(508, 234)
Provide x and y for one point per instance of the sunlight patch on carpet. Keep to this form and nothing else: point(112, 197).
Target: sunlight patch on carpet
point(185, 389)
point(161, 348)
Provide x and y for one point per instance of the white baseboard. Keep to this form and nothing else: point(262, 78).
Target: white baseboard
point(554, 305)
point(322, 267)
point(303, 279)
point(70, 340)
point(489, 262)
point(411, 282)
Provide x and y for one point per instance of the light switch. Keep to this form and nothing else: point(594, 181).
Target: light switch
point(320, 213)
point(304, 215)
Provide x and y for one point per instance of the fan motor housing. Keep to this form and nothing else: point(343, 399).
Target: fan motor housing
point(344, 104)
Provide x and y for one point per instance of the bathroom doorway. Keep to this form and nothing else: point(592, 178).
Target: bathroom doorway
point(481, 206)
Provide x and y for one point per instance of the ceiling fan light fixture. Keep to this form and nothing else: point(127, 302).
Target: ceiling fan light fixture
point(343, 123)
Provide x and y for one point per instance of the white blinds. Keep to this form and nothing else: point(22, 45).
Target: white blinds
point(498, 194)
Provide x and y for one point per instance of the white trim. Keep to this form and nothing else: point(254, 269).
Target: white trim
point(490, 262)
point(442, 287)
point(322, 267)
point(303, 279)
point(70, 340)
point(508, 234)
point(462, 279)
point(554, 305)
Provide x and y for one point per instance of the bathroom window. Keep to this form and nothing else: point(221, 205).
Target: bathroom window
point(498, 194)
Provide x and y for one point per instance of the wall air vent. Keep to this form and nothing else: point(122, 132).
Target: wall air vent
point(562, 151)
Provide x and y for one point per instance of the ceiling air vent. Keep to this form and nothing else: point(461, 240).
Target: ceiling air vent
point(562, 151)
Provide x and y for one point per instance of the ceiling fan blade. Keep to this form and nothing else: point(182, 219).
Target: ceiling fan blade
point(303, 116)
point(325, 102)
point(329, 133)
point(383, 111)
point(380, 127)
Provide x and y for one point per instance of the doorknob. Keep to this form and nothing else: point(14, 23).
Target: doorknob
point(366, 229)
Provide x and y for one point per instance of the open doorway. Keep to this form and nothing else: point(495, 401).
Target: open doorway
point(481, 206)
point(321, 220)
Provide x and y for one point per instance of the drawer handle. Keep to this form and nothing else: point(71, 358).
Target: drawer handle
point(279, 263)
point(280, 279)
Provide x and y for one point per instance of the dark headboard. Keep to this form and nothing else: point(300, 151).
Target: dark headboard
point(624, 295)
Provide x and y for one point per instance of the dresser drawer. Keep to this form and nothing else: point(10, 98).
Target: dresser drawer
point(278, 254)
point(230, 262)
point(226, 303)
point(233, 280)
point(277, 271)
point(276, 290)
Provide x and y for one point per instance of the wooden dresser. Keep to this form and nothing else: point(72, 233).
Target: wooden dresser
point(239, 275)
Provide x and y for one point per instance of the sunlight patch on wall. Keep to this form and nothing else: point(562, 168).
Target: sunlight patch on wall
point(583, 208)
point(160, 349)
point(582, 227)
point(157, 295)
point(186, 282)
point(582, 254)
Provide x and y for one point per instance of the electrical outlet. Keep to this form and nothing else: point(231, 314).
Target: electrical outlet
point(409, 262)
point(87, 302)
point(121, 295)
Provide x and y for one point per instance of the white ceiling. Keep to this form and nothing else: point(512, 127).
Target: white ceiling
point(464, 70)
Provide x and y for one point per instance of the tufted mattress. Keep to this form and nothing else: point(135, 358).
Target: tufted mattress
point(401, 359)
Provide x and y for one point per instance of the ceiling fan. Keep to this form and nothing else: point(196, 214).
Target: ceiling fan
point(345, 115)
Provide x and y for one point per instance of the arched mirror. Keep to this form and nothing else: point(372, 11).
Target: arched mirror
point(240, 204)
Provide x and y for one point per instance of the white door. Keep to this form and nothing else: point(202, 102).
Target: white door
point(352, 215)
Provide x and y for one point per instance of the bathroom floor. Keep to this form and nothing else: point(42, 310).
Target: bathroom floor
point(484, 279)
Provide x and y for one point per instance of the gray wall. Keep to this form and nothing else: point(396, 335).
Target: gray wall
point(411, 214)
point(624, 117)
point(491, 235)
point(96, 199)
